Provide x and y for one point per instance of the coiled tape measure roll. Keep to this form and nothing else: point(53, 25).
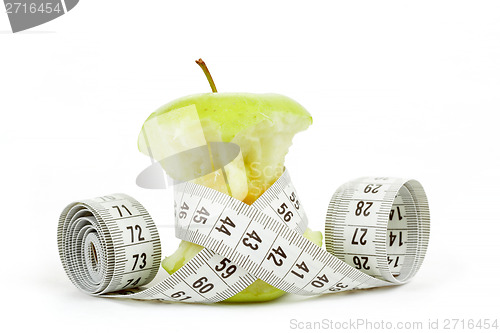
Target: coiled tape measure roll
point(376, 234)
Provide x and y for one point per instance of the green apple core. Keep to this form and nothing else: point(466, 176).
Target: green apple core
point(262, 125)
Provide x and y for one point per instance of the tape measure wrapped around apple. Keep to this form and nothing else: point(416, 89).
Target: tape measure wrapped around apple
point(262, 125)
point(238, 215)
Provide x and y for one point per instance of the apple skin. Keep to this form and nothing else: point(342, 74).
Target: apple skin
point(234, 112)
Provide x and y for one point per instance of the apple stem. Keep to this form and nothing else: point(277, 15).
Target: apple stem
point(207, 74)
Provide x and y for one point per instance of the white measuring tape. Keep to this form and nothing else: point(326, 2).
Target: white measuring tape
point(376, 234)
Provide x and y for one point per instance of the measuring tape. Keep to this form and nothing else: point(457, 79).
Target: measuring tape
point(376, 234)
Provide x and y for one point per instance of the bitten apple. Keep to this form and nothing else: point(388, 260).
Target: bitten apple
point(263, 125)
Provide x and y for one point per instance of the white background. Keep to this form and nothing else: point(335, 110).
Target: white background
point(395, 88)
